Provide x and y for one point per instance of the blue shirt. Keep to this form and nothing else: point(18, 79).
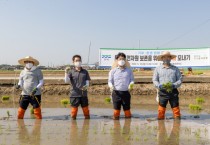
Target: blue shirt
point(121, 78)
point(164, 75)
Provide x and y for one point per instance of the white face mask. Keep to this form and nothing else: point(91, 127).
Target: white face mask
point(78, 64)
point(29, 65)
point(121, 62)
point(167, 61)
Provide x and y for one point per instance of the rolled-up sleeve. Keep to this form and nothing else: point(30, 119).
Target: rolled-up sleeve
point(179, 79)
point(155, 78)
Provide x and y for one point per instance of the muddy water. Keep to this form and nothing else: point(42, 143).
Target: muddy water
point(185, 100)
point(57, 128)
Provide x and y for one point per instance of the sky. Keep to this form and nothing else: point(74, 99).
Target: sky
point(52, 31)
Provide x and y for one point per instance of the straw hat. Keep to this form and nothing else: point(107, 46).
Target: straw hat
point(115, 64)
point(28, 58)
point(165, 53)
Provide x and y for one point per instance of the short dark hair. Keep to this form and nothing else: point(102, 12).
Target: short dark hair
point(120, 54)
point(76, 56)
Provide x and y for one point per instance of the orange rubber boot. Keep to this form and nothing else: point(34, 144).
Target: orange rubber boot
point(86, 112)
point(38, 113)
point(127, 113)
point(116, 115)
point(74, 111)
point(161, 112)
point(21, 113)
point(176, 112)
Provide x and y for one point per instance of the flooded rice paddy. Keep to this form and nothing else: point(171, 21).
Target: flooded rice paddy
point(57, 128)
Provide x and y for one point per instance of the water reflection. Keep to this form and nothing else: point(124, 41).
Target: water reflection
point(173, 138)
point(27, 137)
point(121, 135)
point(79, 135)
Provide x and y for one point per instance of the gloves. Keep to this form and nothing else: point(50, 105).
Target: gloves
point(157, 98)
point(173, 86)
point(166, 87)
point(84, 88)
point(34, 91)
point(160, 87)
point(111, 88)
point(130, 87)
point(67, 69)
point(17, 87)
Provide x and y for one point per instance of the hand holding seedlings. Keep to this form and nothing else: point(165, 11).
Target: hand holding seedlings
point(160, 87)
point(67, 70)
point(34, 91)
point(167, 86)
point(17, 87)
point(84, 88)
point(111, 88)
point(130, 87)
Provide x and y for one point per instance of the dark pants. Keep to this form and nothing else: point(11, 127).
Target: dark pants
point(34, 101)
point(121, 98)
point(76, 101)
point(172, 98)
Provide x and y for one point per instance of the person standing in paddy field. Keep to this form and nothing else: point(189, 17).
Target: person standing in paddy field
point(30, 81)
point(120, 82)
point(171, 75)
point(79, 79)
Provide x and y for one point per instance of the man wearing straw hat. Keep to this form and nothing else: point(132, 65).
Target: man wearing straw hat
point(120, 82)
point(167, 74)
point(30, 81)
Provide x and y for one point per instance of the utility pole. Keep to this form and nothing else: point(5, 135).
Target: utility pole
point(89, 53)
